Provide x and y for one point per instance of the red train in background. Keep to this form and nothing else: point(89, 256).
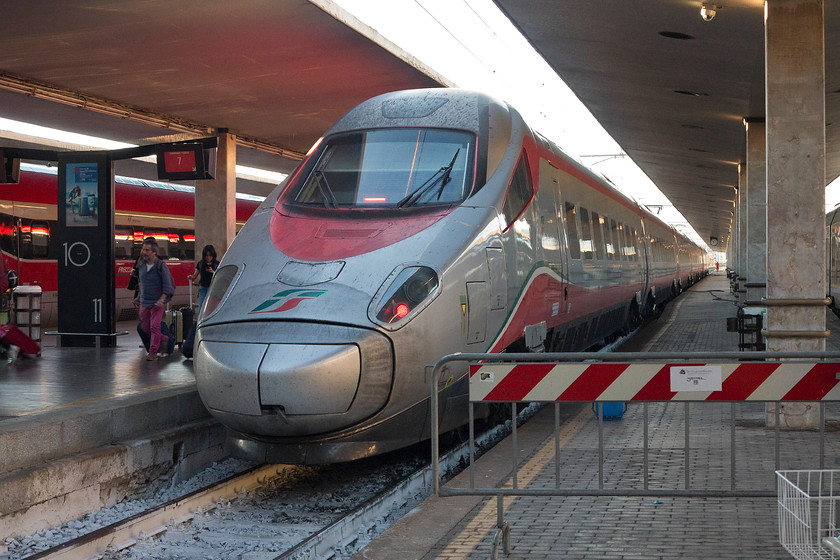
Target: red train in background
point(165, 211)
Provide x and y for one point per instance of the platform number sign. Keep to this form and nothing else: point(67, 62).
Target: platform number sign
point(86, 255)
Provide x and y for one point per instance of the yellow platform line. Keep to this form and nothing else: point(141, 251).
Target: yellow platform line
point(482, 524)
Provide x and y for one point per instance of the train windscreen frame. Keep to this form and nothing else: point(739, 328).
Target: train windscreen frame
point(388, 168)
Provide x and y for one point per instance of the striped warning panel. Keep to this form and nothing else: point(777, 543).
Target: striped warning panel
point(750, 381)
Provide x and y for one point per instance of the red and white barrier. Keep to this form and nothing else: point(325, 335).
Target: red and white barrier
point(746, 381)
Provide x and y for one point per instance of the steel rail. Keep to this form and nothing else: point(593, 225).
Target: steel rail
point(122, 534)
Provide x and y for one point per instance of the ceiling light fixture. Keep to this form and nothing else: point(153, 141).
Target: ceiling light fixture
point(708, 11)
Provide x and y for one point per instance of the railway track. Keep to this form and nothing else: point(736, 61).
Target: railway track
point(279, 511)
point(274, 511)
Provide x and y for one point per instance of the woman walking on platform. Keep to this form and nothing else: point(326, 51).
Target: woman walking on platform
point(204, 270)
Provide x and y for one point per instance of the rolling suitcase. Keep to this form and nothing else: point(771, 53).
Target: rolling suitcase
point(175, 322)
point(17, 337)
point(189, 342)
point(188, 318)
point(168, 345)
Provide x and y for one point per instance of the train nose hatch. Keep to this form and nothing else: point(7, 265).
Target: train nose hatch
point(280, 379)
point(309, 378)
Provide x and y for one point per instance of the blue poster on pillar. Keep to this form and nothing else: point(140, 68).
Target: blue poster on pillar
point(81, 205)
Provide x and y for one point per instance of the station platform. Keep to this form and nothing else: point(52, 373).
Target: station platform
point(70, 400)
point(99, 406)
point(79, 427)
point(624, 527)
point(78, 377)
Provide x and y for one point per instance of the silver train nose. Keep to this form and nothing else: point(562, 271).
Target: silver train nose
point(289, 379)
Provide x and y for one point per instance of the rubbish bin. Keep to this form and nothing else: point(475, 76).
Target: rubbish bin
point(28, 310)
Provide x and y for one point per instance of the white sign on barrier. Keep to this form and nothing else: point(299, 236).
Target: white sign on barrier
point(696, 378)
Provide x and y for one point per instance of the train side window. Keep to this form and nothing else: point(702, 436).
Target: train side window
point(632, 252)
point(585, 234)
point(572, 229)
point(137, 243)
point(163, 248)
point(7, 234)
point(519, 192)
point(618, 239)
point(610, 238)
point(123, 240)
point(177, 245)
point(173, 246)
point(188, 244)
point(40, 239)
point(597, 235)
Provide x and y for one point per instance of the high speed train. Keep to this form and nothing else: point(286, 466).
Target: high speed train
point(423, 223)
point(832, 259)
point(28, 240)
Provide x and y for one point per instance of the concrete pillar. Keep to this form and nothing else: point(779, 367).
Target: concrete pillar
point(756, 179)
point(741, 216)
point(743, 225)
point(736, 227)
point(795, 78)
point(215, 201)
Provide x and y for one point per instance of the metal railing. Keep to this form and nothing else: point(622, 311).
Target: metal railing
point(572, 364)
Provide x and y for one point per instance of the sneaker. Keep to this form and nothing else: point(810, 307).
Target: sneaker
point(162, 354)
point(13, 352)
point(151, 357)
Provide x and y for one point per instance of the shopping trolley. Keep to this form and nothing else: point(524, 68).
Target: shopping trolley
point(808, 523)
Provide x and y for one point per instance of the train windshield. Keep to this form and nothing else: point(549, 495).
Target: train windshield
point(395, 168)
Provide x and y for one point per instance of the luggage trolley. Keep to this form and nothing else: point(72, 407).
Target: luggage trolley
point(808, 514)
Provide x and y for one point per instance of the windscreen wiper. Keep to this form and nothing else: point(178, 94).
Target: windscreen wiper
point(441, 175)
point(326, 192)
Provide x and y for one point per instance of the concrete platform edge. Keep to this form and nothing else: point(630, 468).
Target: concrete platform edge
point(33, 439)
point(61, 490)
point(413, 536)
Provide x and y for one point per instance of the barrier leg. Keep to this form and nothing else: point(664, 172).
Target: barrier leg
point(502, 534)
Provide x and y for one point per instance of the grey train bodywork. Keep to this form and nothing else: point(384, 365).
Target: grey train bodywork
point(423, 223)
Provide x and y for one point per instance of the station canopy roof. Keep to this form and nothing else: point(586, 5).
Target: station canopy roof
point(671, 88)
point(277, 73)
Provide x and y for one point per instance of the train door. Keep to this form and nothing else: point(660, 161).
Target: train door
point(833, 244)
point(648, 267)
point(519, 234)
point(572, 252)
point(552, 242)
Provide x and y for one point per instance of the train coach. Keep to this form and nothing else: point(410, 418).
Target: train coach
point(423, 223)
point(832, 258)
point(165, 211)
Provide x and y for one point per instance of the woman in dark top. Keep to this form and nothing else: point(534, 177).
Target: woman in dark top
point(204, 270)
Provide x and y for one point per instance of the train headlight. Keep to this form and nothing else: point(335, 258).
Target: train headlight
point(406, 292)
point(222, 281)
